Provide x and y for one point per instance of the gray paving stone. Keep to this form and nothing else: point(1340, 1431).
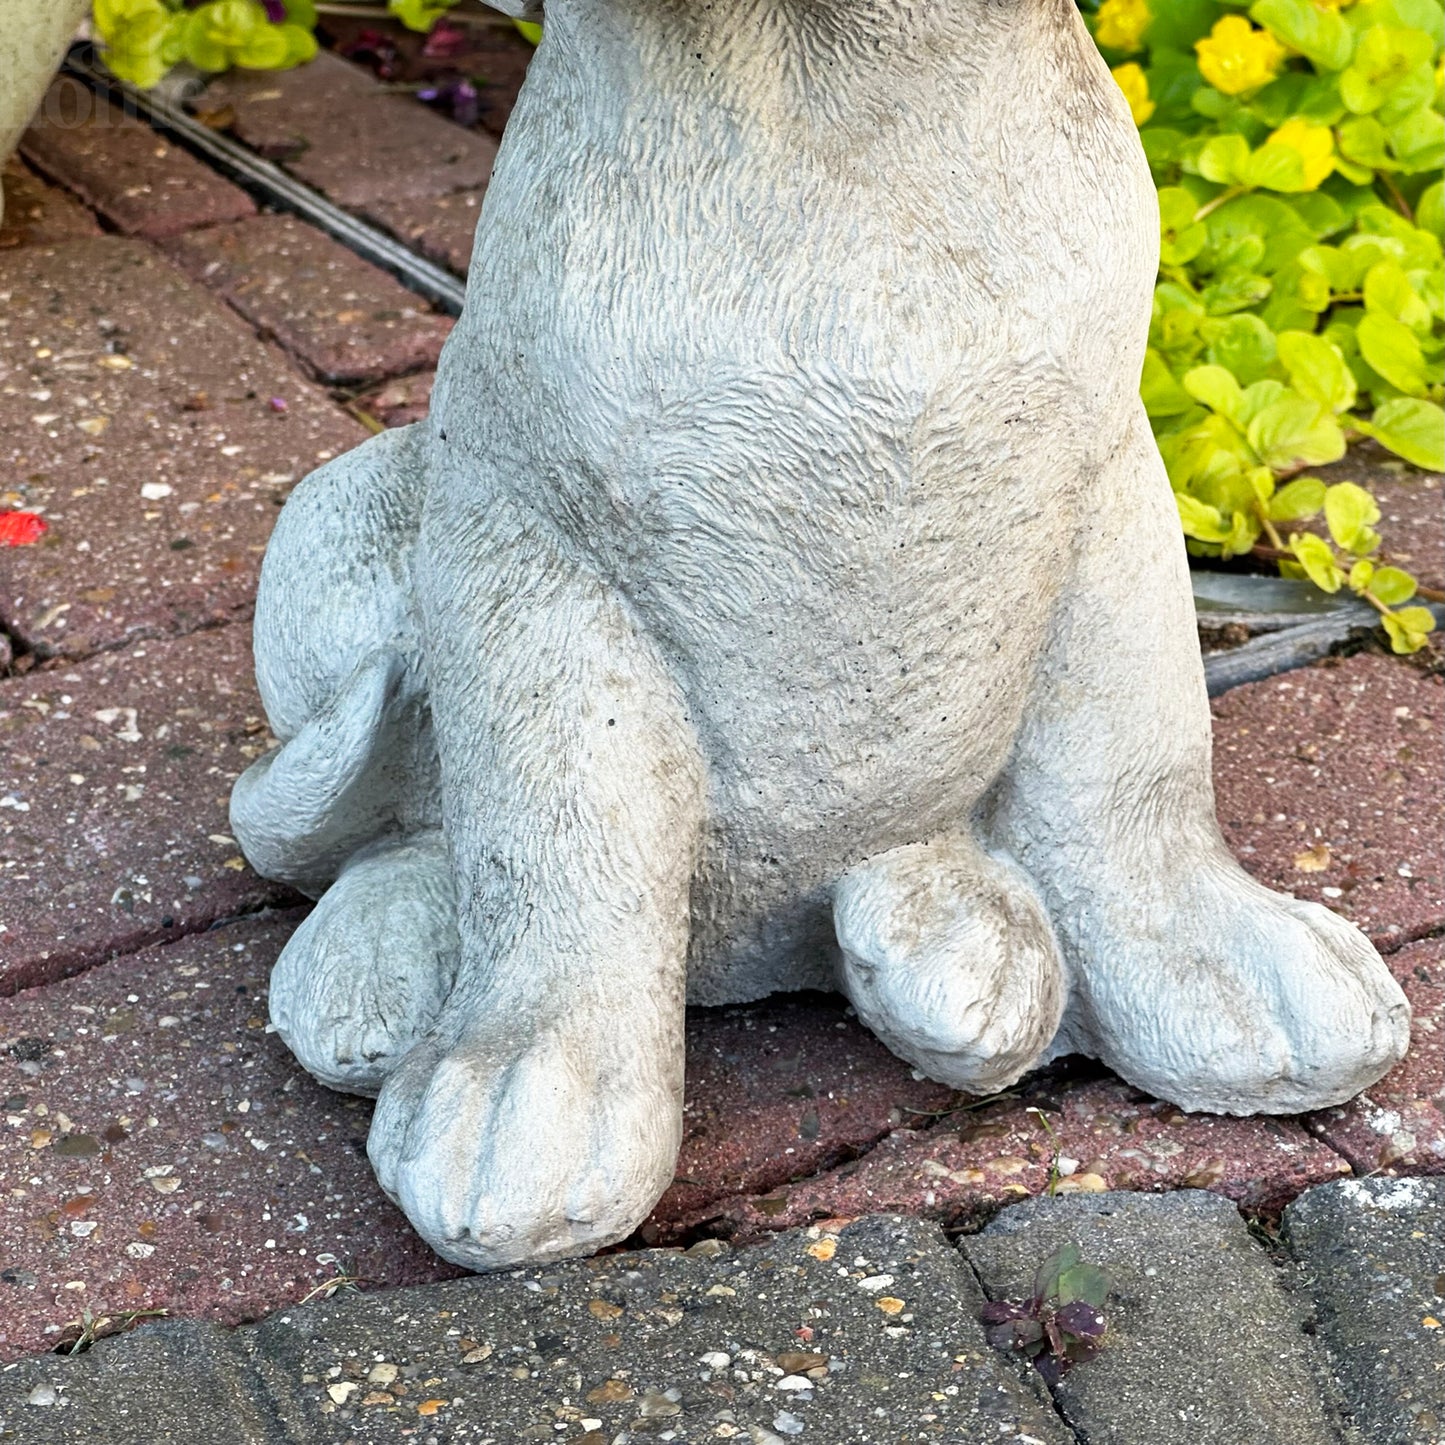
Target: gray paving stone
point(169, 1383)
point(867, 1335)
point(612, 1349)
point(1204, 1345)
point(1372, 1251)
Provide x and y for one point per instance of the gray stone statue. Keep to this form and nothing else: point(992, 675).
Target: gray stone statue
point(785, 592)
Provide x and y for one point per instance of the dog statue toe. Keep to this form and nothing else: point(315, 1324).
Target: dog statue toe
point(784, 592)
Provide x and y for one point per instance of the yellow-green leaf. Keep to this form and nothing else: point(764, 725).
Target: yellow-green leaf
point(1360, 574)
point(1296, 432)
point(1394, 351)
point(1350, 514)
point(1410, 428)
point(1218, 390)
point(1318, 561)
point(1392, 585)
point(1409, 628)
point(1297, 500)
point(1316, 369)
point(1199, 520)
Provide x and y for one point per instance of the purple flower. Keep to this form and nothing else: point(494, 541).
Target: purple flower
point(459, 96)
point(275, 11)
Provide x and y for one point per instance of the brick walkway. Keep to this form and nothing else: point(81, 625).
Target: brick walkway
point(171, 362)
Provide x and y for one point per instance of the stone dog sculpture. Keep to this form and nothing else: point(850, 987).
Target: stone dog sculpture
point(784, 592)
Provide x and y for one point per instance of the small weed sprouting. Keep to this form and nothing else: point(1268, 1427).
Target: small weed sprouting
point(91, 1327)
point(1063, 1324)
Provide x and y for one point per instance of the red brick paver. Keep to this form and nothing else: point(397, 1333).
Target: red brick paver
point(1398, 1126)
point(778, 1090)
point(401, 401)
point(441, 228)
point(36, 213)
point(161, 1151)
point(394, 148)
point(1412, 523)
point(1107, 1136)
point(114, 780)
point(157, 435)
point(493, 57)
point(1331, 785)
point(346, 321)
point(136, 179)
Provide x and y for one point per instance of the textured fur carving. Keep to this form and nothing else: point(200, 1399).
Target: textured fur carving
point(670, 658)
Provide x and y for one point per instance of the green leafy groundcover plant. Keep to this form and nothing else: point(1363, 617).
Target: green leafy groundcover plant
point(143, 39)
point(1296, 145)
point(1301, 294)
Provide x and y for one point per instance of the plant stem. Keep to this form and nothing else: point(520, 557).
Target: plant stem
point(1270, 530)
point(1054, 1175)
point(1393, 191)
point(1283, 554)
point(1223, 198)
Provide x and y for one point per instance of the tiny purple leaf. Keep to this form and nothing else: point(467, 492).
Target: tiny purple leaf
point(1081, 1319)
point(996, 1311)
point(1051, 1368)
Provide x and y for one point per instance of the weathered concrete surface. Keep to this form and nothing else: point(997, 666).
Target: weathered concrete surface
point(131, 174)
point(343, 319)
point(171, 1383)
point(1372, 1252)
point(114, 774)
point(1330, 784)
point(160, 1150)
point(1398, 1125)
point(157, 435)
point(1204, 1346)
point(867, 1335)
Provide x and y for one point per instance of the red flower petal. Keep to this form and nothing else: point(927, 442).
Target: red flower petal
point(18, 528)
